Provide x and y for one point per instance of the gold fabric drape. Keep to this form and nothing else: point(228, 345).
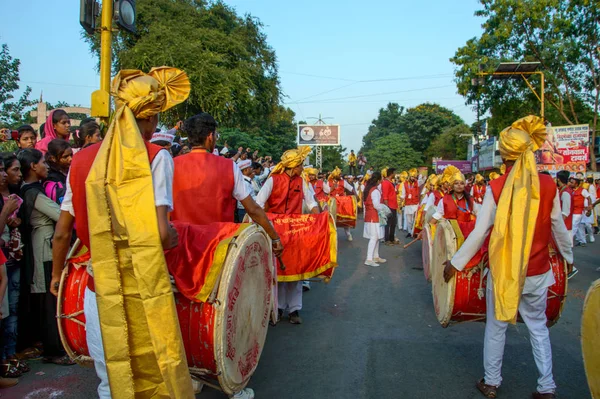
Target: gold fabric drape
point(291, 159)
point(516, 215)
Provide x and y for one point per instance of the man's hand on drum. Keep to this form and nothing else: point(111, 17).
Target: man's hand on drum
point(277, 247)
point(54, 283)
point(173, 237)
point(449, 271)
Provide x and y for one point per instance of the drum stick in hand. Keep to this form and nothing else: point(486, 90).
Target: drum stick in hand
point(281, 265)
point(412, 242)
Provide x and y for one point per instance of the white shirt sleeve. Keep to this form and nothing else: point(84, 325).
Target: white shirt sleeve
point(326, 188)
point(483, 225)
point(309, 196)
point(67, 203)
point(162, 179)
point(263, 176)
point(430, 201)
point(566, 204)
point(471, 193)
point(240, 189)
point(265, 193)
point(376, 198)
point(402, 191)
point(348, 186)
point(439, 213)
point(560, 232)
point(224, 150)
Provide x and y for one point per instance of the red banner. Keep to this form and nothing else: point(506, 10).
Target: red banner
point(346, 210)
point(310, 245)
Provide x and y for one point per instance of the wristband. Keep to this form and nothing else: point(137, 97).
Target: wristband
point(277, 239)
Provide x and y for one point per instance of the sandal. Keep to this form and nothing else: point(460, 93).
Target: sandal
point(31, 354)
point(7, 370)
point(64, 360)
point(21, 365)
point(489, 391)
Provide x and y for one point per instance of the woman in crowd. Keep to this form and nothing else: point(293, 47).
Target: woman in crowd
point(40, 214)
point(57, 126)
point(457, 203)
point(12, 249)
point(26, 137)
point(373, 231)
point(89, 133)
point(59, 158)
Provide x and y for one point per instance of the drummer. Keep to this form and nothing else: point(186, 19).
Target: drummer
point(410, 194)
point(456, 204)
point(478, 192)
point(517, 232)
point(321, 190)
point(340, 187)
point(284, 193)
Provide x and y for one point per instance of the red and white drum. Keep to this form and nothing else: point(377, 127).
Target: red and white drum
point(223, 337)
point(427, 248)
point(346, 208)
point(463, 297)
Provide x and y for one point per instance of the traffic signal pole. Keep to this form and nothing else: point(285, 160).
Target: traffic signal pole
point(101, 98)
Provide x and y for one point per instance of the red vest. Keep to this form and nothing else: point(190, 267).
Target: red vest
point(569, 219)
point(438, 196)
point(451, 210)
point(371, 214)
point(411, 192)
point(578, 201)
point(337, 188)
point(80, 168)
point(203, 188)
point(478, 193)
point(389, 194)
point(320, 195)
point(287, 194)
point(539, 256)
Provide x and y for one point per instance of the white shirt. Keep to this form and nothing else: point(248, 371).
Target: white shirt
point(566, 203)
point(224, 150)
point(267, 188)
point(485, 222)
point(326, 188)
point(240, 189)
point(249, 188)
point(376, 198)
point(430, 200)
point(162, 181)
point(439, 212)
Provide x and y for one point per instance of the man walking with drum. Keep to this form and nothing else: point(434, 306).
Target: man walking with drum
point(517, 210)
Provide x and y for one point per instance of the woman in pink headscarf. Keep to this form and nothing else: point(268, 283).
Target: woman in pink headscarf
point(56, 127)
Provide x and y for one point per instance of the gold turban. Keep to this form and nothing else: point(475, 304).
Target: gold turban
point(148, 94)
point(503, 169)
point(494, 175)
point(585, 185)
point(309, 171)
point(384, 172)
point(291, 159)
point(138, 319)
point(432, 181)
point(413, 172)
point(336, 174)
point(478, 178)
point(452, 174)
point(516, 215)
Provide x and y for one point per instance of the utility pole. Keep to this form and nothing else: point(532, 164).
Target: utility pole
point(477, 83)
point(101, 98)
point(319, 149)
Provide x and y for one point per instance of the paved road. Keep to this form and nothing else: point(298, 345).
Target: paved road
point(372, 334)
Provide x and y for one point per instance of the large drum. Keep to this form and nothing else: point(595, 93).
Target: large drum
point(223, 337)
point(463, 297)
point(346, 210)
point(590, 338)
point(427, 248)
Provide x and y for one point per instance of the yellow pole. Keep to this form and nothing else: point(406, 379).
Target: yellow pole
point(101, 98)
point(542, 93)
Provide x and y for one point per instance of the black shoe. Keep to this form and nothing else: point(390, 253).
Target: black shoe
point(295, 318)
point(409, 235)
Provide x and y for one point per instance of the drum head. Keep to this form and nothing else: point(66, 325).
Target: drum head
point(426, 251)
point(444, 247)
point(590, 338)
point(332, 204)
point(245, 301)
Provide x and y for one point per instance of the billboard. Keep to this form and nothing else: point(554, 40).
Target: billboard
point(463, 166)
point(488, 158)
point(319, 135)
point(565, 148)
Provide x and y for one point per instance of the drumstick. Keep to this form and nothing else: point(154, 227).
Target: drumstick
point(281, 265)
point(412, 242)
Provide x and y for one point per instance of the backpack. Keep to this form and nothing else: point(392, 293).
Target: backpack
point(55, 190)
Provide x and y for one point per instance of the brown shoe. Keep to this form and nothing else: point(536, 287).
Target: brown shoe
point(8, 382)
point(537, 395)
point(295, 318)
point(489, 391)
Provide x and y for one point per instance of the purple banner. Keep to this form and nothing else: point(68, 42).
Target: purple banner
point(463, 166)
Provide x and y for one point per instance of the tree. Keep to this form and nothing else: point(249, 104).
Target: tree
point(12, 113)
point(453, 143)
point(393, 150)
point(562, 35)
point(333, 156)
point(425, 122)
point(387, 122)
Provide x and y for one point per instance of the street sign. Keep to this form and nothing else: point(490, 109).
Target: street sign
point(319, 135)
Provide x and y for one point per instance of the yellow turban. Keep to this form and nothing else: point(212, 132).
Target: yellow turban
point(384, 172)
point(413, 172)
point(494, 175)
point(452, 174)
point(478, 178)
point(433, 180)
point(148, 94)
point(585, 185)
point(516, 215)
point(309, 171)
point(337, 173)
point(503, 169)
point(291, 159)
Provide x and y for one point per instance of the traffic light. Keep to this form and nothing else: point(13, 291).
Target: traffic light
point(125, 14)
point(88, 11)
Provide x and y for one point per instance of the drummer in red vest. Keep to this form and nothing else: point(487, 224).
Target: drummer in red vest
point(410, 194)
point(319, 187)
point(523, 213)
point(456, 204)
point(74, 204)
point(388, 197)
point(285, 193)
point(581, 202)
point(478, 192)
point(339, 187)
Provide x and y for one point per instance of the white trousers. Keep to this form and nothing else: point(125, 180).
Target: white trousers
point(532, 308)
point(578, 229)
point(347, 231)
point(289, 296)
point(373, 249)
point(410, 222)
point(94, 341)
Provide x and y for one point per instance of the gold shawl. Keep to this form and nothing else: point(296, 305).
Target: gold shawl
point(144, 352)
point(516, 214)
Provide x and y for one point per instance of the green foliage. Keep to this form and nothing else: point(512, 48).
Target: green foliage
point(332, 156)
point(393, 150)
point(12, 113)
point(425, 122)
point(562, 35)
point(9, 146)
point(453, 143)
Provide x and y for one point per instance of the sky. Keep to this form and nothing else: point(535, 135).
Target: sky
point(343, 60)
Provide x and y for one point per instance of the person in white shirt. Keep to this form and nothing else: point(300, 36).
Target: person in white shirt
point(373, 230)
point(410, 193)
point(248, 173)
point(225, 150)
point(588, 220)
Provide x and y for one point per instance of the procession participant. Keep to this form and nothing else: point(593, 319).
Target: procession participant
point(566, 198)
point(285, 193)
point(164, 139)
point(580, 203)
point(132, 330)
point(57, 126)
point(352, 163)
point(518, 209)
point(320, 189)
point(248, 173)
point(456, 204)
point(478, 192)
point(589, 214)
point(340, 187)
point(401, 214)
point(410, 195)
point(372, 228)
point(388, 197)
point(493, 176)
